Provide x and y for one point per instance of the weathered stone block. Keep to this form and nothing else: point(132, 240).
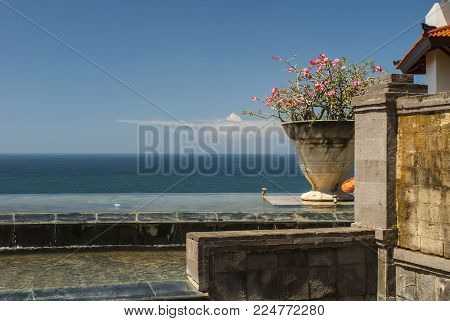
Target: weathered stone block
point(322, 282)
point(434, 214)
point(228, 286)
point(424, 195)
point(321, 257)
point(405, 283)
point(350, 255)
point(442, 289)
point(396, 78)
point(351, 280)
point(230, 262)
point(262, 261)
point(431, 246)
point(262, 285)
point(370, 214)
point(365, 129)
point(291, 258)
point(423, 211)
point(436, 195)
point(408, 226)
point(373, 152)
point(425, 286)
point(430, 230)
point(408, 241)
point(293, 284)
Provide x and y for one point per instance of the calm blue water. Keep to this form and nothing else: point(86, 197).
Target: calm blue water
point(43, 174)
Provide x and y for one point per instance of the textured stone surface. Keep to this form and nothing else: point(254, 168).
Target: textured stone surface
point(262, 285)
point(285, 265)
point(425, 287)
point(442, 289)
point(418, 284)
point(406, 283)
point(322, 282)
point(422, 187)
point(228, 286)
point(293, 284)
point(230, 262)
point(352, 279)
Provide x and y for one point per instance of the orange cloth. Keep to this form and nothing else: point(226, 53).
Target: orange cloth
point(349, 185)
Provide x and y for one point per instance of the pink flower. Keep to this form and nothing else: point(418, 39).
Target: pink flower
point(274, 90)
point(319, 86)
point(275, 58)
point(325, 60)
point(332, 92)
point(254, 98)
point(305, 72)
point(378, 68)
point(291, 69)
point(335, 62)
point(319, 69)
point(322, 56)
point(312, 62)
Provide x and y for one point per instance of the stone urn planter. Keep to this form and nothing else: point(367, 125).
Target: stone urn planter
point(325, 150)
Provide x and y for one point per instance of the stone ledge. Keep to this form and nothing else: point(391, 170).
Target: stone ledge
point(305, 216)
point(201, 246)
point(420, 260)
point(287, 236)
point(396, 78)
point(424, 103)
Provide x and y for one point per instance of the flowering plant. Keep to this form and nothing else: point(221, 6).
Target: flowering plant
point(321, 91)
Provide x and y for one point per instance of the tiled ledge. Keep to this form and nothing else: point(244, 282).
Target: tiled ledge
point(176, 217)
point(153, 290)
point(49, 230)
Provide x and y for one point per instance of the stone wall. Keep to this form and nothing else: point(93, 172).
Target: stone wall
point(423, 177)
point(315, 264)
point(423, 196)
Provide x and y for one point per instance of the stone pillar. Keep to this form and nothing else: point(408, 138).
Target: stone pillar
point(375, 166)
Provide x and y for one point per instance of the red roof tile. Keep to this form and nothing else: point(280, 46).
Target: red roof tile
point(439, 32)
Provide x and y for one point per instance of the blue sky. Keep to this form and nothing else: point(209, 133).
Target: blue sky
point(196, 59)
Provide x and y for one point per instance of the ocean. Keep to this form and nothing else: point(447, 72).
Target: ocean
point(87, 173)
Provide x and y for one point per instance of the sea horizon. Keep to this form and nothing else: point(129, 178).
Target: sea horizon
point(58, 173)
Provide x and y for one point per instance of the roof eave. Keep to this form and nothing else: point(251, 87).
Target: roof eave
point(414, 55)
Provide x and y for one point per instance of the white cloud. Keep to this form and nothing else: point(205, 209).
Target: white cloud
point(234, 117)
